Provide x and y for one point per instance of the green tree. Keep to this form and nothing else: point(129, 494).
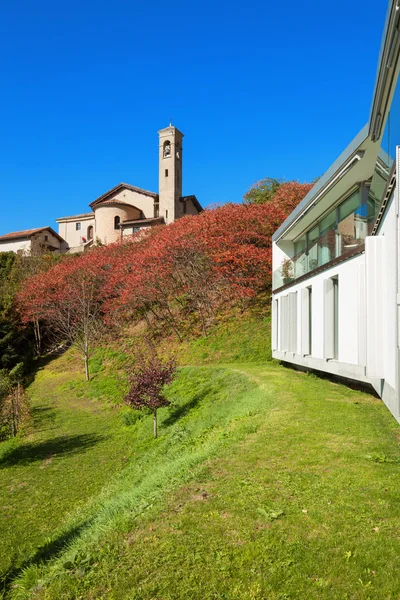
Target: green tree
point(262, 191)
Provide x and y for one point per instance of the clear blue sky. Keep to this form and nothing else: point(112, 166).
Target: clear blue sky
point(259, 88)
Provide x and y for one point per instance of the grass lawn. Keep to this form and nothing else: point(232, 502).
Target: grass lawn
point(264, 483)
point(72, 448)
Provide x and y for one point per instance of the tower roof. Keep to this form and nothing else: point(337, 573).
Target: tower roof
point(171, 129)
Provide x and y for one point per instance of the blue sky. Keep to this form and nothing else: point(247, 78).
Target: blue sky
point(259, 88)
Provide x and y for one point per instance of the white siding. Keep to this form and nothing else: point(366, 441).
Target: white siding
point(16, 246)
point(305, 322)
point(348, 326)
point(374, 254)
point(292, 345)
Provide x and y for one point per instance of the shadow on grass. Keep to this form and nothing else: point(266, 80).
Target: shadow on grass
point(44, 553)
point(62, 445)
point(358, 386)
point(180, 411)
point(38, 364)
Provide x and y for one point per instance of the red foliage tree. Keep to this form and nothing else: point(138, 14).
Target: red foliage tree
point(69, 300)
point(147, 383)
point(171, 276)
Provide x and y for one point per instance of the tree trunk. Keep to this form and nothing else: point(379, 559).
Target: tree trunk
point(87, 365)
point(38, 337)
point(155, 422)
point(13, 427)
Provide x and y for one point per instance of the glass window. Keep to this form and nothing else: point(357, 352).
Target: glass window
point(312, 249)
point(327, 239)
point(300, 257)
point(78, 226)
point(300, 245)
point(342, 229)
point(350, 205)
point(386, 158)
point(352, 225)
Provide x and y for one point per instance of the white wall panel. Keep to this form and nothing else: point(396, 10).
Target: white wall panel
point(275, 324)
point(374, 262)
point(328, 328)
point(305, 321)
point(362, 317)
point(284, 323)
point(292, 345)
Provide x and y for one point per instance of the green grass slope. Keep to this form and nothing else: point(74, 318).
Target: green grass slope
point(264, 483)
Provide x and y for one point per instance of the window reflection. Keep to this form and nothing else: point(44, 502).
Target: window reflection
point(341, 230)
point(386, 157)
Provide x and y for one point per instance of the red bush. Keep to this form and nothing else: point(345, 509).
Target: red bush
point(172, 273)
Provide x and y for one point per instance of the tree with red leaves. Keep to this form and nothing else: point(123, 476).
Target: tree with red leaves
point(68, 299)
point(173, 277)
point(147, 383)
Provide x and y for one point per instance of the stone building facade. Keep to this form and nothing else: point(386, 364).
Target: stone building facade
point(125, 209)
point(33, 241)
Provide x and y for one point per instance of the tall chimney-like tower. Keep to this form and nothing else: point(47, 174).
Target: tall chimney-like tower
point(170, 173)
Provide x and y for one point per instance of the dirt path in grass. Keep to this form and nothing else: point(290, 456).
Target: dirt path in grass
point(73, 447)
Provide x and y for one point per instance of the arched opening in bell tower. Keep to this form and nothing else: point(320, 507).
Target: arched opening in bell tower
point(167, 149)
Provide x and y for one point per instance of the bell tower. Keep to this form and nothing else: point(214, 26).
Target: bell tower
point(170, 173)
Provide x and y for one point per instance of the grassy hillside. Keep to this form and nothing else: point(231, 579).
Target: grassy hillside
point(264, 483)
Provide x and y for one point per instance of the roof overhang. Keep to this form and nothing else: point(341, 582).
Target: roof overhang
point(118, 188)
point(192, 198)
point(138, 222)
point(346, 162)
point(356, 163)
point(387, 71)
point(28, 234)
point(83, 217)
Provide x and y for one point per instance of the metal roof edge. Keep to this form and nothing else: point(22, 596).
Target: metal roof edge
point(323, 181)
point(381, 73)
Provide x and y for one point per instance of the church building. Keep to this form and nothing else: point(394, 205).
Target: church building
point(125, 208)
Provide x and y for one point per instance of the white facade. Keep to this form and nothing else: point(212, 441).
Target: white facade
point(336, 301)
point(32, 241)
point(124, 209)
point(77, 229)
point(18, 246)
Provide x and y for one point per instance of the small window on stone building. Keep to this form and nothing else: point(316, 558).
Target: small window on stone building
point(117, 221)
point(166, 214)
point(166, 172)
point(78, 226)
point(46, 238)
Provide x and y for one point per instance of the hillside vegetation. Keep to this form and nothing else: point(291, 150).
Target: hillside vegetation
point(264, 483)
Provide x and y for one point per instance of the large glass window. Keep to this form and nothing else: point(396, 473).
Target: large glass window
point(312, 248)
point(351, 228)
point(300, 258)
point(327, 239)
point(340, 231)
point(386, 158)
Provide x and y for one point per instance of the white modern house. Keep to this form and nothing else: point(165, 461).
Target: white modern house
point(336, 258)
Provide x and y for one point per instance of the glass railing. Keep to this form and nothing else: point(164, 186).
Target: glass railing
point(348, 235)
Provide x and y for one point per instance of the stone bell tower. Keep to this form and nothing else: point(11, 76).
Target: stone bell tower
point(170, 173)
